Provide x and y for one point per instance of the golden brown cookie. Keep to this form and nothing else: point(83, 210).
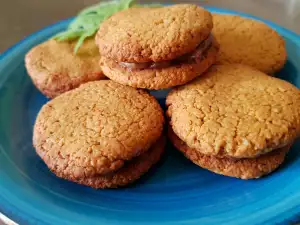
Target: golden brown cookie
point(239, 168)
point(96, 128)
point(153, 34)
point(157, 48)
point(55, 69)
point(236, 111)
point(250, 42)
point(131, 171)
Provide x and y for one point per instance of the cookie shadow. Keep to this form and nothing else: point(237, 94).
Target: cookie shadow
point(171, 165)
point(289, 73)
point(292, 156)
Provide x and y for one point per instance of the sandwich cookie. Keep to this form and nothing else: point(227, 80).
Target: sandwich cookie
point(157, 48)
point(55, 69)
point(99, 133)
point(250, 42)
point(235, 113)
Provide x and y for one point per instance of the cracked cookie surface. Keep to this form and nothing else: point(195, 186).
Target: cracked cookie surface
point(153, 34)
point(234, 110)
point(95, 128)
point(250, 42)
point(55, 69)
point(240, 168)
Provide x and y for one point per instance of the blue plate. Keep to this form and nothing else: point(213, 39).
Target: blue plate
point(175, 192)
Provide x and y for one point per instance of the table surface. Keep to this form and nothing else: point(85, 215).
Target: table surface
point(20, 18)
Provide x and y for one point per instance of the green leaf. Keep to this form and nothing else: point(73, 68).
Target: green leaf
point(97, 7)
point(125, 4)
point(81, 40)
point(68, 35)
point(152, 5)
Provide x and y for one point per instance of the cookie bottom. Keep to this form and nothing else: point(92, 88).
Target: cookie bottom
point(127, 174)
point(239, 168)
point(155, 79)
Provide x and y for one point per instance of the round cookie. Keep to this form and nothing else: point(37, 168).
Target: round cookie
point(153, 34)
point(132, 171)
point(236, 111)
point(157, 48)
point(239, 168)
point(96, 128)
point(55, 69)
point(250, 42)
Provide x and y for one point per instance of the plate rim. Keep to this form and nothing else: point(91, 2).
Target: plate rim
point(14, 215)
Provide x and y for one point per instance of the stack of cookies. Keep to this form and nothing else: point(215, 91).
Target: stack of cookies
point(235, 120)
point(157, 48)
point(231, 118)
point(101, 134)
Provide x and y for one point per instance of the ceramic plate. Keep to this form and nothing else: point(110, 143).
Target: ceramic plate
point(174, 192)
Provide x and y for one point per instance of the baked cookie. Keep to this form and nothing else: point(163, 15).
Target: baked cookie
point(55, 69)
point(240, 168)
point(96, 128)
point(157, 48)
point(235, 111)
point(250, 42)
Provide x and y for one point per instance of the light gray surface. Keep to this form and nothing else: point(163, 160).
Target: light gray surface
point(19, 18)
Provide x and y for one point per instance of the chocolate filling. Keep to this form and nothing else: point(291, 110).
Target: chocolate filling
point(193, 57)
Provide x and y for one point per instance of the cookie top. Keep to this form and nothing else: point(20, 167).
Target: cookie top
point(153, 34)
point(95, 127)
point(236, 111)
point(55, 69)
point(250, 42)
